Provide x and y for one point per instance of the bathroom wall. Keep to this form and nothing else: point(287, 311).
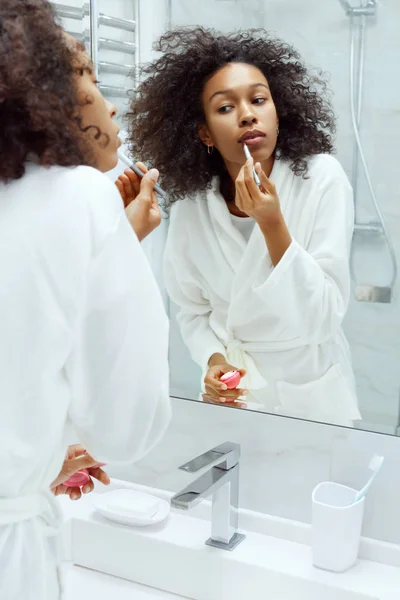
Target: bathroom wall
point(320, 31)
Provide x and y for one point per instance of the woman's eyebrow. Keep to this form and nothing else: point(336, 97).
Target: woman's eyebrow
point(224, 92)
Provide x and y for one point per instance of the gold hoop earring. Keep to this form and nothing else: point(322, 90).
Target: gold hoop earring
point(210, 151)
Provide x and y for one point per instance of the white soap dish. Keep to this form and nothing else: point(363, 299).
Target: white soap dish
point(130, 507)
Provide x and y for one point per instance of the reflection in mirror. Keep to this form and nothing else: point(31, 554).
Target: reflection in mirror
point(261, 278)
point(259, 272)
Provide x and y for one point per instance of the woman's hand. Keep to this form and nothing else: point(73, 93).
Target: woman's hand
point(261, 203)
point(140, 200)
point(128, 184)
point(78, 459)
point(232, 403)
point(216, 391)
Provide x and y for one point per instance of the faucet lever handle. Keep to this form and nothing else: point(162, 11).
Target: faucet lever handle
point(227, 450)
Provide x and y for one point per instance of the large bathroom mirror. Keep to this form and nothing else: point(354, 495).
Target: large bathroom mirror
point(330, 351)
point(354, 44)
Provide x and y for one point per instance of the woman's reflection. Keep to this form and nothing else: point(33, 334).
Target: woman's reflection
point(260, 273)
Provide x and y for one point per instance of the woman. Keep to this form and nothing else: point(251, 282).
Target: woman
point(260, 273)
point(83, 334)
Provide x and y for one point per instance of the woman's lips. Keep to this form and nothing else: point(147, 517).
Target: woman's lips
point(254, 141)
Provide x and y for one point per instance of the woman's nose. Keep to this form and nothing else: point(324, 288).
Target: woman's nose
point(248, 117)
point(112, 109)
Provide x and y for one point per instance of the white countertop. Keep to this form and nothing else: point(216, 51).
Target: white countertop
point(82, 584)
point(173, 556)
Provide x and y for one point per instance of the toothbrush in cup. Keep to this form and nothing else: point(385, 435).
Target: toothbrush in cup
point(255, 174)
point(375, 465)
point(123, 158)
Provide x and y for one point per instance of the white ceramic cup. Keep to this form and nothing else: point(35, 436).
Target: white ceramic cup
point(336, 526)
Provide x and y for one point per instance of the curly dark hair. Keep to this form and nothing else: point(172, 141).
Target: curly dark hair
point(167, 110)
point(38, 96)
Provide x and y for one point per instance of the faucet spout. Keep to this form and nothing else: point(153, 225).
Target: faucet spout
point(226, 455)
point(202, 487)
point(221, 482)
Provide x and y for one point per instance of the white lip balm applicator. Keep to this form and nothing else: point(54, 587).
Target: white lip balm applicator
point(129, 163)
point(255, 174)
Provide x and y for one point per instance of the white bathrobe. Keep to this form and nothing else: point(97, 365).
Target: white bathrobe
point(83, 344)
point(282, 324)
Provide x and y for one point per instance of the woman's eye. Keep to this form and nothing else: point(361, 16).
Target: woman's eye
point(96, 82)
point(224, 109)
point(259, 100)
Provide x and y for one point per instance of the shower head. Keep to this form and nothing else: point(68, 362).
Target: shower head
point(368, 9)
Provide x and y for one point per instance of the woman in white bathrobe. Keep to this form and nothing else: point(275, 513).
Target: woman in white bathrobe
point(261, 275)
point(83, 333)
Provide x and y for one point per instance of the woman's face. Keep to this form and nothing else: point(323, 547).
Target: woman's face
point(96, 112)
point(238, 108)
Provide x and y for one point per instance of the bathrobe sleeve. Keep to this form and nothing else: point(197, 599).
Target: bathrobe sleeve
point(119, 369)
point(183, 289)
point(309, 288)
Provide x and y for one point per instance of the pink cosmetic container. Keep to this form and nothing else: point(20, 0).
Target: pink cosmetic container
point(80, 478)
point(231, 379)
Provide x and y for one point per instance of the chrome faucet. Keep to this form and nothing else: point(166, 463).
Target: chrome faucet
point(222, 482)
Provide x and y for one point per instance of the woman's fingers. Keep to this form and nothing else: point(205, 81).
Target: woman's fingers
point(226, 396)
point(251, 186)
point(216, 384)
point(62, 490)
point(74, 493)
point(58, 490)
point(211, 400)
point(76, 459)
point(75, 450)
point(244, 191)
point(71, 466)
point(121, 189)
point(266, 183)
point(221, 389)
point(134, 181)
point(218, 388)
point(213, 379)
point(217, 391)
point(100, 475)
point(142, 167)
point(239, 198)
point(88, 487)
point(253, 190)
point(127, 181)
point(128, 184)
